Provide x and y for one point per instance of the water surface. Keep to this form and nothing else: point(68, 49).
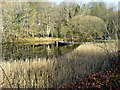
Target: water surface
point(22, 52)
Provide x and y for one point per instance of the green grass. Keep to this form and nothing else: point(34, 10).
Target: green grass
point(108, 40)
point(43, 73)
point(36, 39)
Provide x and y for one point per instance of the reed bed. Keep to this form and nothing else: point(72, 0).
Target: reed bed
point(28, 74)
point(49, 73)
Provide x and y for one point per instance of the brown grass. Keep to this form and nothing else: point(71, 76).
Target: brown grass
point(44, 73)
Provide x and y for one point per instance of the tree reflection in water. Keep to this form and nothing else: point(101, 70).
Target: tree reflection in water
point(17, 52)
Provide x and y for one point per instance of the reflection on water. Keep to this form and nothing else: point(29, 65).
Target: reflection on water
point(17, 52)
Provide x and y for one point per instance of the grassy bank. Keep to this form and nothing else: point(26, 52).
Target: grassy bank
point(35, 39)
point(112, 40)
point(42, 73)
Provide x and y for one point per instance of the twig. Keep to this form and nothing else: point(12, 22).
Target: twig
point(6, 77)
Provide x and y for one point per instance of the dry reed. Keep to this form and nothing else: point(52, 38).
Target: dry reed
point(50, 73)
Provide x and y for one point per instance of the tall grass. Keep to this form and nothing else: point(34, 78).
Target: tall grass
point(50, 73)
point(27, 74)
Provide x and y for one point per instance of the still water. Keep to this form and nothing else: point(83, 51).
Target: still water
point(21, 52)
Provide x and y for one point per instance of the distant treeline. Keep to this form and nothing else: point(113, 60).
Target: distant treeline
point(89, 21)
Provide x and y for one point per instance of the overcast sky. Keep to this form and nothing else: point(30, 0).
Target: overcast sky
point(58, 1)
point(115, 2)
point(109, 2)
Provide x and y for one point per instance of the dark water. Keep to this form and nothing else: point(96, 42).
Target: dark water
point(21, 52)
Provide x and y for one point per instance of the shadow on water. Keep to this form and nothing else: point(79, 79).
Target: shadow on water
point(21, 52)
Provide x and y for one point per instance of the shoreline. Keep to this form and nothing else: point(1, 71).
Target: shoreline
point(42, 40)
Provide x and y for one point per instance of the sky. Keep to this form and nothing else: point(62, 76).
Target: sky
point(58, 1)
point(109, 2)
